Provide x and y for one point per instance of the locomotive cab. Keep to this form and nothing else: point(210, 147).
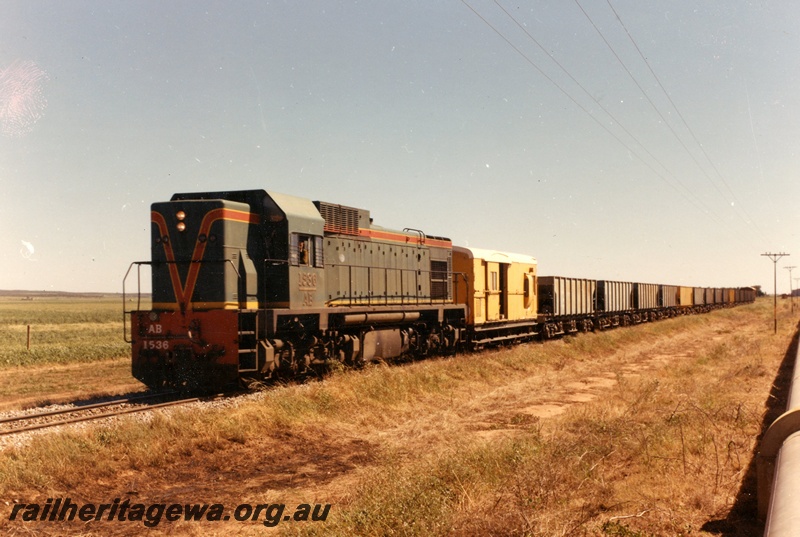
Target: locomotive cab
point(221, 262)
point(202, 276)
point(200, 258)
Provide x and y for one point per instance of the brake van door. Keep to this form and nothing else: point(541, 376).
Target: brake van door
point(493, 291)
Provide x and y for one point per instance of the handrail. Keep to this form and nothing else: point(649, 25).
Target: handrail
point(421, 237)
point(126, 312)
point(403, 298)
point(450, 279)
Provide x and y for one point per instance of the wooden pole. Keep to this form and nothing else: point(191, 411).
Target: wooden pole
point(774, 258)
point(29, 337)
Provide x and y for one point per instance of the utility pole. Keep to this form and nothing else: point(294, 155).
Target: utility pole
point(774, 258)
point(791, 294)
point(796, 287)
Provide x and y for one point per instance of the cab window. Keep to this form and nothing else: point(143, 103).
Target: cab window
point(305, 250)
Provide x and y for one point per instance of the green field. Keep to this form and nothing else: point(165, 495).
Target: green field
point(64, 329)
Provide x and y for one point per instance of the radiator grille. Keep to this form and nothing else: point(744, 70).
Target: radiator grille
point(440, 280)
point(338, 218)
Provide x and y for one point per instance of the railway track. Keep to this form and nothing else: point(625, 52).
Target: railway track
point(64, 416)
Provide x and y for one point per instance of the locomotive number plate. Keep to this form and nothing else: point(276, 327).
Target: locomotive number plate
point(307, 281)
point(157, 344)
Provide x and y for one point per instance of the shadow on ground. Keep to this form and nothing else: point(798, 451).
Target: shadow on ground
point(742, 520)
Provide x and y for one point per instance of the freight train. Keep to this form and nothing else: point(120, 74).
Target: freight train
point(251, 285)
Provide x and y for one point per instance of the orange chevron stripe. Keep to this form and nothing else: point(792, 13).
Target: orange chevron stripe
point(158, 219)
point(183, 293)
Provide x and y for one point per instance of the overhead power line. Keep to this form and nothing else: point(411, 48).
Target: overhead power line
point(686, 193)
point(791, 292)
point(736, 204)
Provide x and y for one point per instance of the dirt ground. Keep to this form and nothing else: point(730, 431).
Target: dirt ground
point(30, 386)
point(323, 462)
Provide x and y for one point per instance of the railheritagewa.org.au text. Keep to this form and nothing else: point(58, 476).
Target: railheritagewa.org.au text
point(153, 514)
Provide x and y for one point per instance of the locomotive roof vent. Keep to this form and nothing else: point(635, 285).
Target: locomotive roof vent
point(341, 219)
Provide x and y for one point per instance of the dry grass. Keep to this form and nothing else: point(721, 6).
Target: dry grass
point(642, 431)
point(28, 386)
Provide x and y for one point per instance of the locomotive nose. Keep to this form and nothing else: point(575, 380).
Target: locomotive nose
point(188, 351)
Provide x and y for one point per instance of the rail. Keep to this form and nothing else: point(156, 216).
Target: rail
point(33, 422)
point(778, 467)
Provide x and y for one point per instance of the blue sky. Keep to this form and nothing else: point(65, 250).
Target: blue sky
point(532, 127)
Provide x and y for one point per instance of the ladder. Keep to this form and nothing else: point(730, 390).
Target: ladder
point(248, 341)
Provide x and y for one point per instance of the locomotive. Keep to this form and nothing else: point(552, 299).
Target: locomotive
point(251, 285)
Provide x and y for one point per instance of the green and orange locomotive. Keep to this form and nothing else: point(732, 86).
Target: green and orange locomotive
point(251, 285)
